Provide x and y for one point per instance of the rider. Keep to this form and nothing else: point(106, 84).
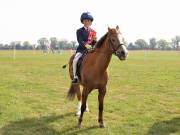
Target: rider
point(86, 38)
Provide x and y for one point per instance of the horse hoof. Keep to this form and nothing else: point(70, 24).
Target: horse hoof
point(78, 126)
point(101, 125)
point(87, 109)
point(78, 114)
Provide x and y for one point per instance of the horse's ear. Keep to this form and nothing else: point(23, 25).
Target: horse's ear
point(117, 27)
point(109, 29)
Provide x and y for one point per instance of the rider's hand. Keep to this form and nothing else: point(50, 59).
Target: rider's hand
point(88, 46)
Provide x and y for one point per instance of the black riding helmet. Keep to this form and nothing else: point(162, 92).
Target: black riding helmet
point(86, 15)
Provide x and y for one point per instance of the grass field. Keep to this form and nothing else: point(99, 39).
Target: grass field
point(143, 96)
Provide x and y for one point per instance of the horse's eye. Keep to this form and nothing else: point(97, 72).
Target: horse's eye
point(113, 40)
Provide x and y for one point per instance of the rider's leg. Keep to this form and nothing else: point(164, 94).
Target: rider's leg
point(76, 58)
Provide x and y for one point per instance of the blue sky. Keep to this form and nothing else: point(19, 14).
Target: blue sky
point(31, 19)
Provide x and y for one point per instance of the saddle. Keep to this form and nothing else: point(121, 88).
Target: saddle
point(79, 63)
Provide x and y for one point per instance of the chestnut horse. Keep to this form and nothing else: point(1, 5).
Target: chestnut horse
point(94, 70)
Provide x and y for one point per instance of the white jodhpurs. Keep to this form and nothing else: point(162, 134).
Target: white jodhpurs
point(76, 58)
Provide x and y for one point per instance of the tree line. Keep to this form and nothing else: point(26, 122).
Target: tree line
point(154, 44)
point(54, 44)
point(42, 44)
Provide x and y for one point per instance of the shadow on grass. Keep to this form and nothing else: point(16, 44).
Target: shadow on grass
point(165, 127)
point(42, 126)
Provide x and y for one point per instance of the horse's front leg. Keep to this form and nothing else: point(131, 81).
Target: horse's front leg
point(83, 106)
point(102, 93)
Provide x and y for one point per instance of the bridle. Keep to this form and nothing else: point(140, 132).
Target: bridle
point(112, 46)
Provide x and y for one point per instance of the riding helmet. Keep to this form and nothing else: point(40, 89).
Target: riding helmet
point(86, 15)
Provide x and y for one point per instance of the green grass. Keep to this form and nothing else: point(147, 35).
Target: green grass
point(143, 96)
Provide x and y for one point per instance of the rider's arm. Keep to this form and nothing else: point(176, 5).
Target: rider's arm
point(79, 38)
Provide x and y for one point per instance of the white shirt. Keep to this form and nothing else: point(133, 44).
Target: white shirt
point(87, 28)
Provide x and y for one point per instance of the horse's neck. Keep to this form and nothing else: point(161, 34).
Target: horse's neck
point(104, 55)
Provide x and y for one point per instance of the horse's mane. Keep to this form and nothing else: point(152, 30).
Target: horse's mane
point(100, 41)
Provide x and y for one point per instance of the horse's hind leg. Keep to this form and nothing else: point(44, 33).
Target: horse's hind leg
point(102, 92)
point(78, 92)
point(83, 106)
point(79, 97)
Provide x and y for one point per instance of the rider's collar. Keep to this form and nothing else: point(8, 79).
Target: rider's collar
point(87, 28)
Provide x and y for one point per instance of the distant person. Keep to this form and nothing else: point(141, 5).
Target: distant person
point(86, 38)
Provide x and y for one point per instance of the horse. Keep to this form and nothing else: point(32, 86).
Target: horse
point(93, 71)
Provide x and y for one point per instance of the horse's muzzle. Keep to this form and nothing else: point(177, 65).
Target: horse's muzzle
point(121, 55)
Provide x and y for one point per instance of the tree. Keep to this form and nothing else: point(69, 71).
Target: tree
point(54, 43)
point(173, 43)
point(1, 46)
point(27, 45)
point(43, 43)
point(63, 44)
point(18, 45)
point(131, 46)
point(15, 45)
point(152, 43)
point(6, 47)
point(162, 44)
point(177, 42)
point(73, 44)
point(141, 44)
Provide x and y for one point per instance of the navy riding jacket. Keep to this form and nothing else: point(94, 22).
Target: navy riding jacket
point(82, 38)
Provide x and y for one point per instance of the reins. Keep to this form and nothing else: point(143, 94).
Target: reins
point(111, 45)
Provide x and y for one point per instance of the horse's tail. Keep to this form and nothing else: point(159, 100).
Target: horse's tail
point(71, 92)
point(64, 66)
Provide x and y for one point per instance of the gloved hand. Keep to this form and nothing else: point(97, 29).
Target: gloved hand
point(91, 50)
point(88, 46)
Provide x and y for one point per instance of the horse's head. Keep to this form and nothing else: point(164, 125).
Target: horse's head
point(116, 43)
